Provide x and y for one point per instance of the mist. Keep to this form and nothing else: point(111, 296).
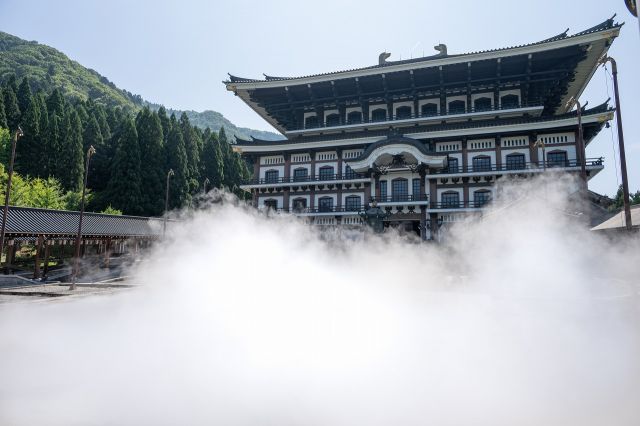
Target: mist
point(524, 317)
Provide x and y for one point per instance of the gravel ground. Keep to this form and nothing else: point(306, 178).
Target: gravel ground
point(57, 292)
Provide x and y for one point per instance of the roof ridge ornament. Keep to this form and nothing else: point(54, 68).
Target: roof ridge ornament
point(382, 58)
point(442, 48)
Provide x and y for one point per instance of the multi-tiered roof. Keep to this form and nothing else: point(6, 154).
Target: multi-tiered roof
point(550, 74)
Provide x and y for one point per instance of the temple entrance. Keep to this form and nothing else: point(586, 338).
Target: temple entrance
point(404, 227)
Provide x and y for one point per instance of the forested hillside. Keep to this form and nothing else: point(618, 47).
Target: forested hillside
point(134, 150)
point(47, 69)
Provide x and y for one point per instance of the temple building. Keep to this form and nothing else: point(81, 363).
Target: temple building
point(429, 139)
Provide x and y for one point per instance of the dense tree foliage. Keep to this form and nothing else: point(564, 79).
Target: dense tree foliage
point(618, 201)
point(133, 152)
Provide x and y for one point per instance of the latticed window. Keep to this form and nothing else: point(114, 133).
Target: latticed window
point(383, 189)
point(311, 122)
point(349, 173)
point(482, 104)
point(300, 174)
point(450, 200)
point(325, 204)
point(399, 189)
point(326, 173)
point(403, 112)
point(299, 204)
point(452, 165)
point(352, 203)
point(516, 162)
point(456, 107)
point(429, 109)
point(557, 159)
point(509, 101)
point(333, 120)
point(379, 114)
point(482, 163)
point(354, 117)
point(480, 198)
point(271, 176)
point(271, 204)
point(415, 186)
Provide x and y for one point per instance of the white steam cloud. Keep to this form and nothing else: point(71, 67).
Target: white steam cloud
point(523, 318)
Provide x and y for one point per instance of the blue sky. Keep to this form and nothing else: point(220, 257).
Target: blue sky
point(177, 53)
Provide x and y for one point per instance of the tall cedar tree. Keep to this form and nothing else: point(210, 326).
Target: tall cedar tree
point(125, 185)
point(164, 122)
point(24, 95)
point(53, 146)
point(98, 171)
point(56, 104)
point(212, 160)
point(177, 160)
point(71, 159)
point(42, 140)
point(192, 147)
point(27, 155)
point(11, 108)
point(3, 117)
point(152, 169)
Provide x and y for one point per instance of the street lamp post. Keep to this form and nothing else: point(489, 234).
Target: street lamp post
point(18, 133)
point(166, 203)
point(76, 263)
point(581, 146)
point(623, 159)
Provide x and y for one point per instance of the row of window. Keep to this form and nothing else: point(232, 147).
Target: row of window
point(406, 112)
point(451, 199)
point(301, 174)
point(516, 161)
point(325, 204)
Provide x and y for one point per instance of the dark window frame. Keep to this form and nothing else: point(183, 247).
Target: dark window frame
point(324, 175)
point(352, 203)
point(272, 176)
point(450, 199)
point(300, 178)
point(481, 163)
point(516, 161)
point(399, 193)
point(325, 204)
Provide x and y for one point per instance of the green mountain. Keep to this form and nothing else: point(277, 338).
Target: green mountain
point(48, 68)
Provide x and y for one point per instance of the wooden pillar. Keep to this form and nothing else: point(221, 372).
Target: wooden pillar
point(47, 247)
point(36, 269)
point(498, 153)
point(465, 160)
point(11, 252)
point(107, 252)
point(377, 186)
point(533, 151)
point(433, 193)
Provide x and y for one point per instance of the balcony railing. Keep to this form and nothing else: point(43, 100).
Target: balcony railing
point(458, 204)
point(309, 210)
point(302, 180)
point(516, 166)
point(445, 113)
point(401, 198)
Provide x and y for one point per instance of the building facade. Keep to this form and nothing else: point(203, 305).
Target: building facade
point(428, 139)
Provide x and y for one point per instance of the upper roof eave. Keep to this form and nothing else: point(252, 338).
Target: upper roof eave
point(606, 29)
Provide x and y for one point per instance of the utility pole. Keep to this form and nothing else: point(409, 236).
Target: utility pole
point(623, 159)
point(18, 133)
point(166, 203)
point(581, 147)
point(76, 263)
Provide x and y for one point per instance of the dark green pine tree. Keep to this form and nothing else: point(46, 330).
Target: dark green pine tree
point(42, 140)
point(27, 150)
point(101, 116)
point(177, 161)
point(3, 117)
point(152, 169)
point(230, 172)
point(71, 160)
point(193, 152)
point(125, 185)
point(24, 95)
point(53, 147)
point(11, 108)
point(56, 104)
point(92, 134)
point(164, 122)
point(212, 160)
